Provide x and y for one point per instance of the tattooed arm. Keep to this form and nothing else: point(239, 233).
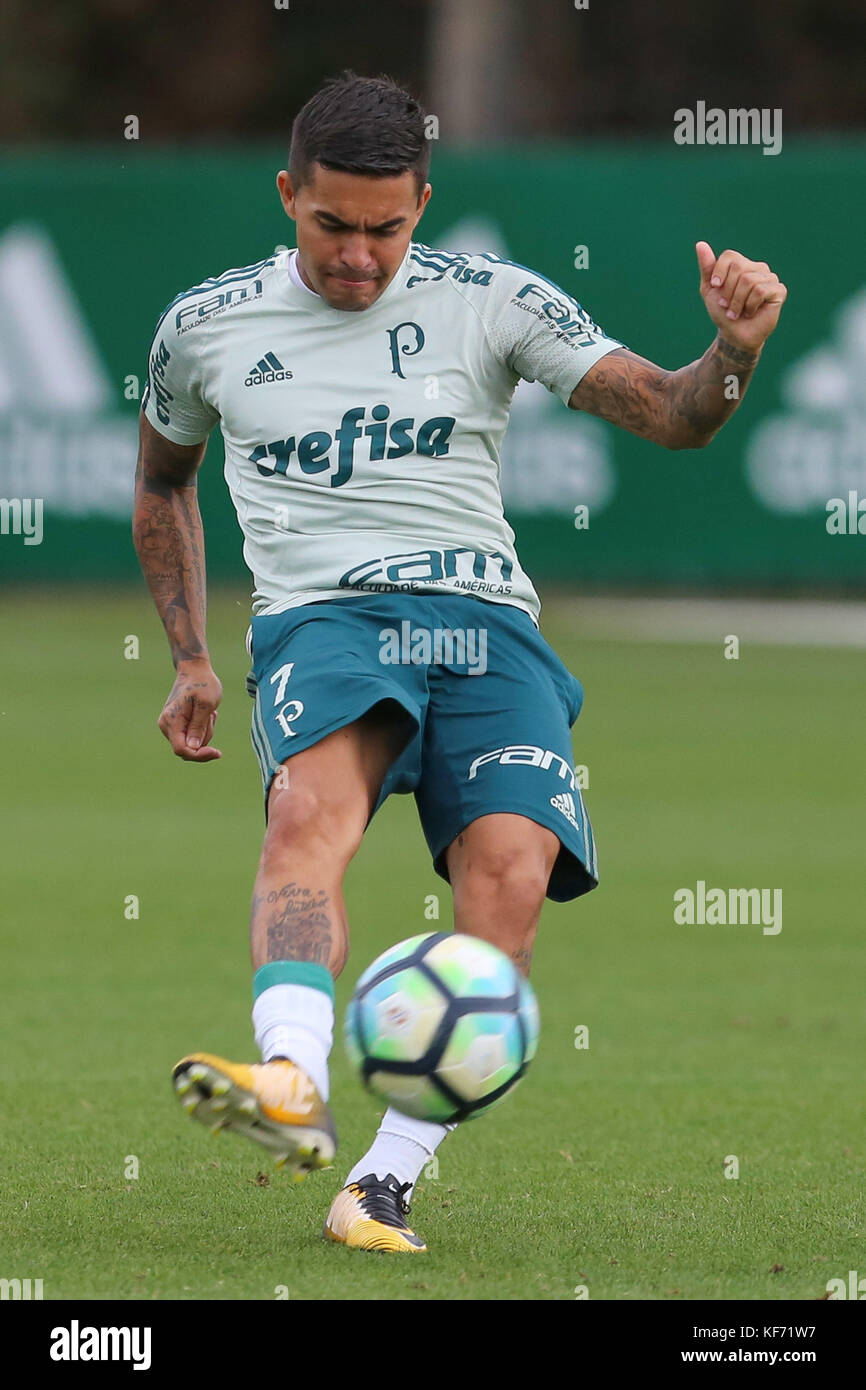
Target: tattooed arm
point(682, 409)
point(168, 538)
point(686, 408)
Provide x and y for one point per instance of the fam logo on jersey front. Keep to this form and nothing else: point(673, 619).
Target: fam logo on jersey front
point(314, 449)
point(476, 571)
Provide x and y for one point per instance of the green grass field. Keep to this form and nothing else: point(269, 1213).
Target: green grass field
point(606, 1167)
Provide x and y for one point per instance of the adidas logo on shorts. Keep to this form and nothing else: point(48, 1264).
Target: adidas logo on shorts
point(564, 802)
point(269, 368)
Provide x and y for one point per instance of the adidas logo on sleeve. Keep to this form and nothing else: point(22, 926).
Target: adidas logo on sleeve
point(268, 368)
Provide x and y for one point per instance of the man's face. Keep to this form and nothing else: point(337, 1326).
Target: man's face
point(353, 231)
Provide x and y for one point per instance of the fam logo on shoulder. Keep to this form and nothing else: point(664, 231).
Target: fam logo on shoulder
point(61, 438)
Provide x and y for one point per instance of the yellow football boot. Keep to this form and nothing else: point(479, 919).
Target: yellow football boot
point(274, 1103)
point(369, 1215)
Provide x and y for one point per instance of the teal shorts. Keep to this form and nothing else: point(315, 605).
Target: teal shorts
point(490, 707)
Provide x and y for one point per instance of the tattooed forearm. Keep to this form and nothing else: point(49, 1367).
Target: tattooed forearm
point(705, 394)
point(741, 356)
point(297, 923)
point(168, 538)
point(682, 409)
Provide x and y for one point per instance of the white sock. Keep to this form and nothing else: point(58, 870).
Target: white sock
point(296, 1021)
point(402, 1146)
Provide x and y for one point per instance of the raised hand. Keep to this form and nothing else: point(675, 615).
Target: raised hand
point(743, 298)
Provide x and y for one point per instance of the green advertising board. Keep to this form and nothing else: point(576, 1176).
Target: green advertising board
point(93, 244)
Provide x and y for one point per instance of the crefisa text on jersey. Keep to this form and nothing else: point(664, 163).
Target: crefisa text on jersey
point(430, 440)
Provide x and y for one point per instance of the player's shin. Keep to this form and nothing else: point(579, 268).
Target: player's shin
point(299, 939)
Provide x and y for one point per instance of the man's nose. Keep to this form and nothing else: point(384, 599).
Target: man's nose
point(356, 253)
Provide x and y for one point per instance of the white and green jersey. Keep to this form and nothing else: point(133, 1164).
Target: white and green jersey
point(362, 447)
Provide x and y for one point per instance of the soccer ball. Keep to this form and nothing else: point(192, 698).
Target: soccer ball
point(442, 1026)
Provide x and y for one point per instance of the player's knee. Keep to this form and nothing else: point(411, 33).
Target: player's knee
point(513, 878)
point(511, 855)
point(311, 820)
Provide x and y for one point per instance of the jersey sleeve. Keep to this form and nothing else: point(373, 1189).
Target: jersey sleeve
point(542, 334)
point(173, 399)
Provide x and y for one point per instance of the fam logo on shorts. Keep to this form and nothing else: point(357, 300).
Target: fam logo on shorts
point(525, 755)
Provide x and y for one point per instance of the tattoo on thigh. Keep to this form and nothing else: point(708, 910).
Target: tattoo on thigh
point(300, 928)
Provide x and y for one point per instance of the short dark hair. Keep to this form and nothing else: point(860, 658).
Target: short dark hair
point(360, 125)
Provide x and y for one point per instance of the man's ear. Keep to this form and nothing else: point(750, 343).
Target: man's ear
point(423, 201)
point(286, 192)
